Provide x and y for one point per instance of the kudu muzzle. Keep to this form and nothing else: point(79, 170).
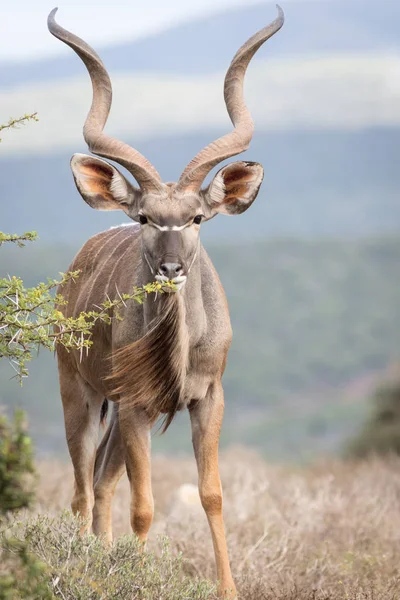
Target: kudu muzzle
point(171, 266)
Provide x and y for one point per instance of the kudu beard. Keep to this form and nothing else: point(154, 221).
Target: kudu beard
point(150, 372)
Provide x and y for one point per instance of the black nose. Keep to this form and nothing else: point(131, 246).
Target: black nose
point(171, 270)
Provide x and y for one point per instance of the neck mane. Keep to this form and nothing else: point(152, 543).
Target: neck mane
point(150, 372)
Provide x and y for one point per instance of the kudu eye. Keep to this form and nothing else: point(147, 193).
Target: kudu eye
point(142, 219)
point(198, 219)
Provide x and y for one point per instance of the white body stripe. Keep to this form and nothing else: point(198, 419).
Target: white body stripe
point(124, 225)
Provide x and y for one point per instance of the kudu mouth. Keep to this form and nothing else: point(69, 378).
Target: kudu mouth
point(172, 270)
point(178, 283)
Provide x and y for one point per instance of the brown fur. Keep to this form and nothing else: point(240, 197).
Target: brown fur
point(233, 176)
point(149, 372)
point(104, 414)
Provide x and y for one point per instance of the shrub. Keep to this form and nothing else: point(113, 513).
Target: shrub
point(83, 568)
point(381, 432)
point(22, 575)
point(16, 466)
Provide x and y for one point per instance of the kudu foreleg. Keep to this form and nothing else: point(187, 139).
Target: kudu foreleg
point(82, 406)
point(206, 418)
point(135, 431)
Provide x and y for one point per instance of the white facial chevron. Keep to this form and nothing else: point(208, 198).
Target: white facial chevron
point(170, 227)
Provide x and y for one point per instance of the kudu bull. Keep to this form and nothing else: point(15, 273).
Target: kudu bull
point(166, 354)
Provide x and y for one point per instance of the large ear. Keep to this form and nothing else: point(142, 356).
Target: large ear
point(101, 185)
point(233, 189)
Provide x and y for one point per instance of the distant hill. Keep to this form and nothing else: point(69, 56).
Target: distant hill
point(316, 183)
point(311, 320)
point(331, 93)
point(324, 94)
point(207, 45)
point(334, 66)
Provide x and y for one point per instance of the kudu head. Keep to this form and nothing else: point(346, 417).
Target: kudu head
point(169, 213)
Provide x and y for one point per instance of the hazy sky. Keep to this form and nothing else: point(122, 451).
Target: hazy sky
point(24, 32)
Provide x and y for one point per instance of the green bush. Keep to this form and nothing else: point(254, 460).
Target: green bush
point(16, 466)
point(381, 432)
point(44, 558)
point(22, 575)
point(83, 568)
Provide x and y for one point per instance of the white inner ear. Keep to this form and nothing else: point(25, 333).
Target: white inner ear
point(119, 188)
point(218, 189)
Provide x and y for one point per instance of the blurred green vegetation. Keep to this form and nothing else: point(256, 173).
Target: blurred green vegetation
point(311, 321)
point(22, 574)
point(16, 465)
point(381, 431)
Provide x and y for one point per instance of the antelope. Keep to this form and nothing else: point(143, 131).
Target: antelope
point(168, 353)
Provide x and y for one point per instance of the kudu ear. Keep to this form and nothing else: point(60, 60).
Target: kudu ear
point(233, 189)
point(101, 185)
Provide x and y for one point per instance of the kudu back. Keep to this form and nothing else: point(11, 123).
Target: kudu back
point(170, 352)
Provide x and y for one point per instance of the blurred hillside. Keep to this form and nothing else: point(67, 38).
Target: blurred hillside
point(333, 65)
point(324, 93)
point(315, 184)
point(314, 324)
point(380, 433)
point(311, 270)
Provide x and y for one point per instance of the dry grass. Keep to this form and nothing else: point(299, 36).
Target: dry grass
point(326, 533)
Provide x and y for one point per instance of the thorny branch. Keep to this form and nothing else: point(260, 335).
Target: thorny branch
point(31, 318)
point(15, 123)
